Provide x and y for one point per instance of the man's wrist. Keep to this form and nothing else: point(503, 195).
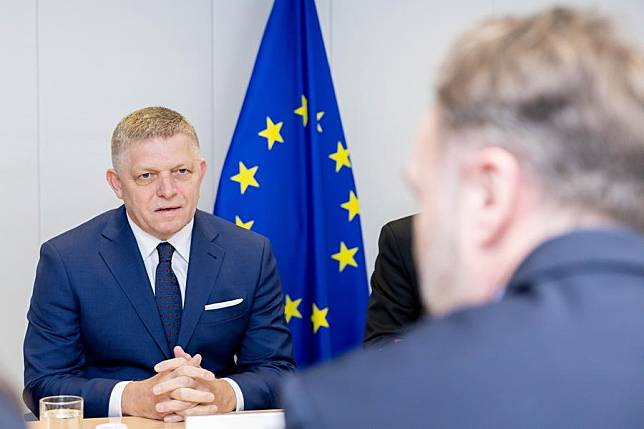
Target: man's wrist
point(127, 399)
point(225, 396)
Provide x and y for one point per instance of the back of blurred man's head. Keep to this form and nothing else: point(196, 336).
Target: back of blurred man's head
point(538, 128)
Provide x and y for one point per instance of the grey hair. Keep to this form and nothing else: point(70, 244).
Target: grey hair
point(146, 123)
point(563, 91)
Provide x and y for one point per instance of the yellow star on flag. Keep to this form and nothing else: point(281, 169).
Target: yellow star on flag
point(345, 256)
point(319, 117)
point(245, 177)
point(246, 225)
point(290, 308)
point(352, 206)
point(303, 111)
point(319, 318)
point(341, 157)
point(272, 133)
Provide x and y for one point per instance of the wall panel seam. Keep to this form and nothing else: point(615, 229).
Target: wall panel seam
point(213, 145)
point(38, 145)
point(331, 36)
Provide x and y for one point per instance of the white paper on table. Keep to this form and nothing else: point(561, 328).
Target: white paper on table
point(248, 420)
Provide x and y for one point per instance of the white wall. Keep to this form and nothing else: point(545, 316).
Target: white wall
point(72, 68)
point(19, 178)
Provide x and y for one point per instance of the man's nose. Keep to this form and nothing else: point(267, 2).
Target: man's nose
point(166, 186)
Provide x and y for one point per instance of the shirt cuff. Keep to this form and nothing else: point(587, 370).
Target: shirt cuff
point(114, 409)
point(238, 393)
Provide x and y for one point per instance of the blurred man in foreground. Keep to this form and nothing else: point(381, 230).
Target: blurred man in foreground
point(530, 177)
point(10, 417)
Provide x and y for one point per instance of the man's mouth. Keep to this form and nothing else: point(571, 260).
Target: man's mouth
point(167, 209)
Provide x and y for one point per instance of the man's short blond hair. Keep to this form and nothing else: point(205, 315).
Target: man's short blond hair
point(146, 123)
point(563, 91)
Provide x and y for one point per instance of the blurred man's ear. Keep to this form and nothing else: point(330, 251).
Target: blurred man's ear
point(491, 180)
point(115, 183)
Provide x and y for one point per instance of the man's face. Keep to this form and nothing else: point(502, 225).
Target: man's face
point(158, 180)
point(435, 183)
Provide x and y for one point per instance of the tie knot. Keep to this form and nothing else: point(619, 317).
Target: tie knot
point(165, 251)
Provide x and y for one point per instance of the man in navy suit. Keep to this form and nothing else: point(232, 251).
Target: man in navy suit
point(530, 177)
point(157, 309)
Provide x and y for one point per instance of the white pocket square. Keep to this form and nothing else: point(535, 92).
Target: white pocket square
point(223, 304)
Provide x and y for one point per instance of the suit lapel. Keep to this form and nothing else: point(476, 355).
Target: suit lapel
point(205, 261)
point(119, 250)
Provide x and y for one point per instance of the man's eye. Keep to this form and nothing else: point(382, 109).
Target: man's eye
point(183, 171)
point(144, 176)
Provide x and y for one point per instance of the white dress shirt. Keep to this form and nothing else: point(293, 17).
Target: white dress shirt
point(147, 243)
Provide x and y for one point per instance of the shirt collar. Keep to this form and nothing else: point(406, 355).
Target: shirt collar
point(148, 243)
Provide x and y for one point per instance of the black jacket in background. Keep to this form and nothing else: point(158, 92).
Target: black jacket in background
point(394, 302)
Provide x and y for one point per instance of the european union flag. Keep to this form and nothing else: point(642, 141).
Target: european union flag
point(288, 175)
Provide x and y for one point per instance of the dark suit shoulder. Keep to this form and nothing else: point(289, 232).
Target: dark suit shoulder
point(398, 234)
point(482, 357)
point(400, 228)
point(394, 302)
point(229, 232)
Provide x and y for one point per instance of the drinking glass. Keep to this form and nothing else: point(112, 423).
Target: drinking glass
point(61, 412)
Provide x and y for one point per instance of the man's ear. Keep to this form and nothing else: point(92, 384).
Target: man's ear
point(115, 182)
point(202, 167)
point(492, 177)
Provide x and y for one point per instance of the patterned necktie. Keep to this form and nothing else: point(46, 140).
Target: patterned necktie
point(168, 294)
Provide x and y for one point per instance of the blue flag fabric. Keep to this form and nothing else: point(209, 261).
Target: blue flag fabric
point(288, 176)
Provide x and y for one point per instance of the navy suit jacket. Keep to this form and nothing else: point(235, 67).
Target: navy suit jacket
point(93, 319)
point(563, 349)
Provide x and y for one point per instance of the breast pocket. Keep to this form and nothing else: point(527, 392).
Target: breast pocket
point(219, 311)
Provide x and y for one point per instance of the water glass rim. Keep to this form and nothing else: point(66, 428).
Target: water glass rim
point(61, 399)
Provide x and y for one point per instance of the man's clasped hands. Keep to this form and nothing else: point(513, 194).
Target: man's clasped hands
point(180, 388)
